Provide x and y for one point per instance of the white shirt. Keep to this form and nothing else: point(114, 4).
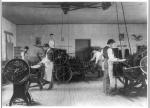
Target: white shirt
point(111, 56)
point(51, 43)
point(24, 55)
point(97, 55)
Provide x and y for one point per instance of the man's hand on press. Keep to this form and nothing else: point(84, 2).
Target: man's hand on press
point(122, 60)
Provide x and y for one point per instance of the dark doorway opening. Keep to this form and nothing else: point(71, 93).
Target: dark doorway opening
point(82, 48)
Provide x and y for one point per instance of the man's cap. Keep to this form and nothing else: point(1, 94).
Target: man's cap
point(51, 34)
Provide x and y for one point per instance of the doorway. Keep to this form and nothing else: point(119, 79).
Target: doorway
point(82, 48)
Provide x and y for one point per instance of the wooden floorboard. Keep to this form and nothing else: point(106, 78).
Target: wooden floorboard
point(83, 93)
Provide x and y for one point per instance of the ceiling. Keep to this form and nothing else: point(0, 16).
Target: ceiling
point(51, 13)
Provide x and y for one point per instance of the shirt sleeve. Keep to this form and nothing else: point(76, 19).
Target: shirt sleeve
point(100, 57)
point(102, 51)
point(22, 55)
point(47, 52)
point(94, 56)
point(111, 55)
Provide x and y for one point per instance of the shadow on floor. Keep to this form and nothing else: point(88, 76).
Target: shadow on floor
point(131, 93)
point(34, 103)
point(22, 103)
point(78, 78)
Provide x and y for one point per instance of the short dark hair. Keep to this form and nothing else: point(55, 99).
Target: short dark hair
point(46, 45)
point(26, 47)
point(51, 34)
point(110, 41)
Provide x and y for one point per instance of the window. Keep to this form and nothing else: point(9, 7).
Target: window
point(9, 46)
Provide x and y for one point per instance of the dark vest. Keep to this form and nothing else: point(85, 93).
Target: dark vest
point(105, 54)
point(50, 54)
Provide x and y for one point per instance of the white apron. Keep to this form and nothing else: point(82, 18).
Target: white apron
point(48, 68)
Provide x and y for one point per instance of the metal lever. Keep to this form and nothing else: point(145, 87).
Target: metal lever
point(134, 67)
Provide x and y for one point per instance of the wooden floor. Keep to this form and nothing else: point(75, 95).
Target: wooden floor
point(81, 93)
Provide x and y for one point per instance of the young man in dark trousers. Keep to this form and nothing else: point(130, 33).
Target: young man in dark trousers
point(109, 59)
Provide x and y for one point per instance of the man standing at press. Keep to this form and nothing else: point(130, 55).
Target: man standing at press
point(48, 62)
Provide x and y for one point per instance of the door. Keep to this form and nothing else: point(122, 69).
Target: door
point(82, 48)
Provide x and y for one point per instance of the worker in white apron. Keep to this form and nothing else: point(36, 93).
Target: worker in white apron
point(48, 62)
point(109, 59)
